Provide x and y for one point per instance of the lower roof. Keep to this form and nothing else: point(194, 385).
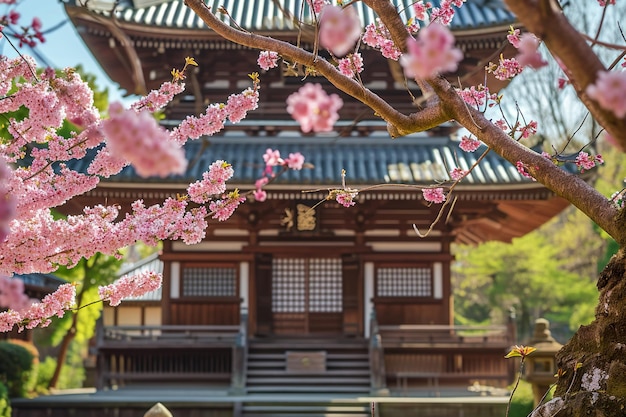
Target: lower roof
point(418, 159)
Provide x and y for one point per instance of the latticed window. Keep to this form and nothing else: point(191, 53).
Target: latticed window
point(413, 281)
point(209, 282)
point(306, 285)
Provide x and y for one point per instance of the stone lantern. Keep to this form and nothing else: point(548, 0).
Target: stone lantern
point(540, 366)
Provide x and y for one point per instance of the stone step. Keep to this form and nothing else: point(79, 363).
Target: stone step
point(327, 373)
point(308, 389)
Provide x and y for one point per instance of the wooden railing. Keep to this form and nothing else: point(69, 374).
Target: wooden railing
point(128, 354)
point(130, 336)
point(240, 357)
point(461, 336)
point(434, 355)
point(377, 358)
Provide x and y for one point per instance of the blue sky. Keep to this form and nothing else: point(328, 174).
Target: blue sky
point(63, 47)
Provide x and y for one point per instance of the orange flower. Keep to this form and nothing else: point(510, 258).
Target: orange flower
point(520, 351)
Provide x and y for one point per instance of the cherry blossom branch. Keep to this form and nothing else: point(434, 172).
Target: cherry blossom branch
point(429, 117)
point(546, 19)
point(571, 187)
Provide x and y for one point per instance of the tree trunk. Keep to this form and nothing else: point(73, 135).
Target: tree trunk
point(594, 360)
point(65, 344)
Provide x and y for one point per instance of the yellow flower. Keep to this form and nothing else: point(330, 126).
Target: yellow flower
point(190, 61)
point(520, 351)
point(254, 76)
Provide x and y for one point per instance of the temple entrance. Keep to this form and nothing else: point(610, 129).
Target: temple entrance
point(307, 296)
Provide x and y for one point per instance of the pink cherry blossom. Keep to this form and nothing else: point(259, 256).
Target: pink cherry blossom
point(346, 197)
point(157, 99)
point(260, 195)
point(138, 138)
point(130, 286)
point(521, 168)
point(213, 182)
point(421, 10)
point(477, 96)
point(295, 161)
point(506, 69)
point(457, 174)
point(351, 65)
point(224, 208)
point(272, 158)
point(12, 294)
point(469, 144)
point(434, 195)
point(313, 109)
point(316, 5)
point(340, 28)
point(528, 55)
point(609, 91)
point(513, 37)
point(528, 130)
point(7, 202)
point(267, 60)
point(432, 53)
point(584, 161)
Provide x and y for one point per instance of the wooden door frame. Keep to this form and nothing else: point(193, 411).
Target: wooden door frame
point(352, 321)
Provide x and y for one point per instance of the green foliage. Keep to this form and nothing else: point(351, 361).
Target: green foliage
point(5, 407)
point(72, 375)
point(18, 367)
point(528, 275)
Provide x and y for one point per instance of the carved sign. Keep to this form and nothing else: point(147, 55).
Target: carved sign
point(301, 219)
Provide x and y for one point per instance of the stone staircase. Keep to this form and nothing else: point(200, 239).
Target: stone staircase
point(308, 408)
point(311, 366)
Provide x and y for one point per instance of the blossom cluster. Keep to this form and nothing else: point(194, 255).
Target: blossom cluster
point(609, 91)
point(36, 241)
point(585, 161)
point(29, 315)
point(25, 34)
point(39, 314)
point(267, 60)
point(213, 119)
point(130, 286)
point(432, 53)
point(273, 159)
point(127, 131)
point(12, 293)
point(313, 108)
point(351, 65)
point(434, 195)
point(478, 96)
point(340, 29)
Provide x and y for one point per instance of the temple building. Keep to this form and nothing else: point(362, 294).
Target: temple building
point(299, 294)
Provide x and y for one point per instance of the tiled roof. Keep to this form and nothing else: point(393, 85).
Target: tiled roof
point(375, 159)
point(260, 15)
point(47, 281)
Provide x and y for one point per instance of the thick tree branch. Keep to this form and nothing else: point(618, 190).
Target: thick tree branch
point(427, 118)
point(582, 195)
point(546, 19)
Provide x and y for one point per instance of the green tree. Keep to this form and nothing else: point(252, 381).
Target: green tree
point(78, 326)
point(527, 275)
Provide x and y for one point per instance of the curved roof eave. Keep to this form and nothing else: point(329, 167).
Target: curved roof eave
point(268, 17)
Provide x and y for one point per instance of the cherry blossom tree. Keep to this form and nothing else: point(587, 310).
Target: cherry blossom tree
point(594, 362)
point(592, 366)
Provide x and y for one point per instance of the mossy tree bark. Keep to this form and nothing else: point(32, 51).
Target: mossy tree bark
point(594, 360)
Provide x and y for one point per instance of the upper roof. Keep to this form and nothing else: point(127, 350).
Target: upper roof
point(269, 15)
point(375, 159)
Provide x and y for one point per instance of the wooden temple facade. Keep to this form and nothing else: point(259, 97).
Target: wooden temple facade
point(298, 294)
